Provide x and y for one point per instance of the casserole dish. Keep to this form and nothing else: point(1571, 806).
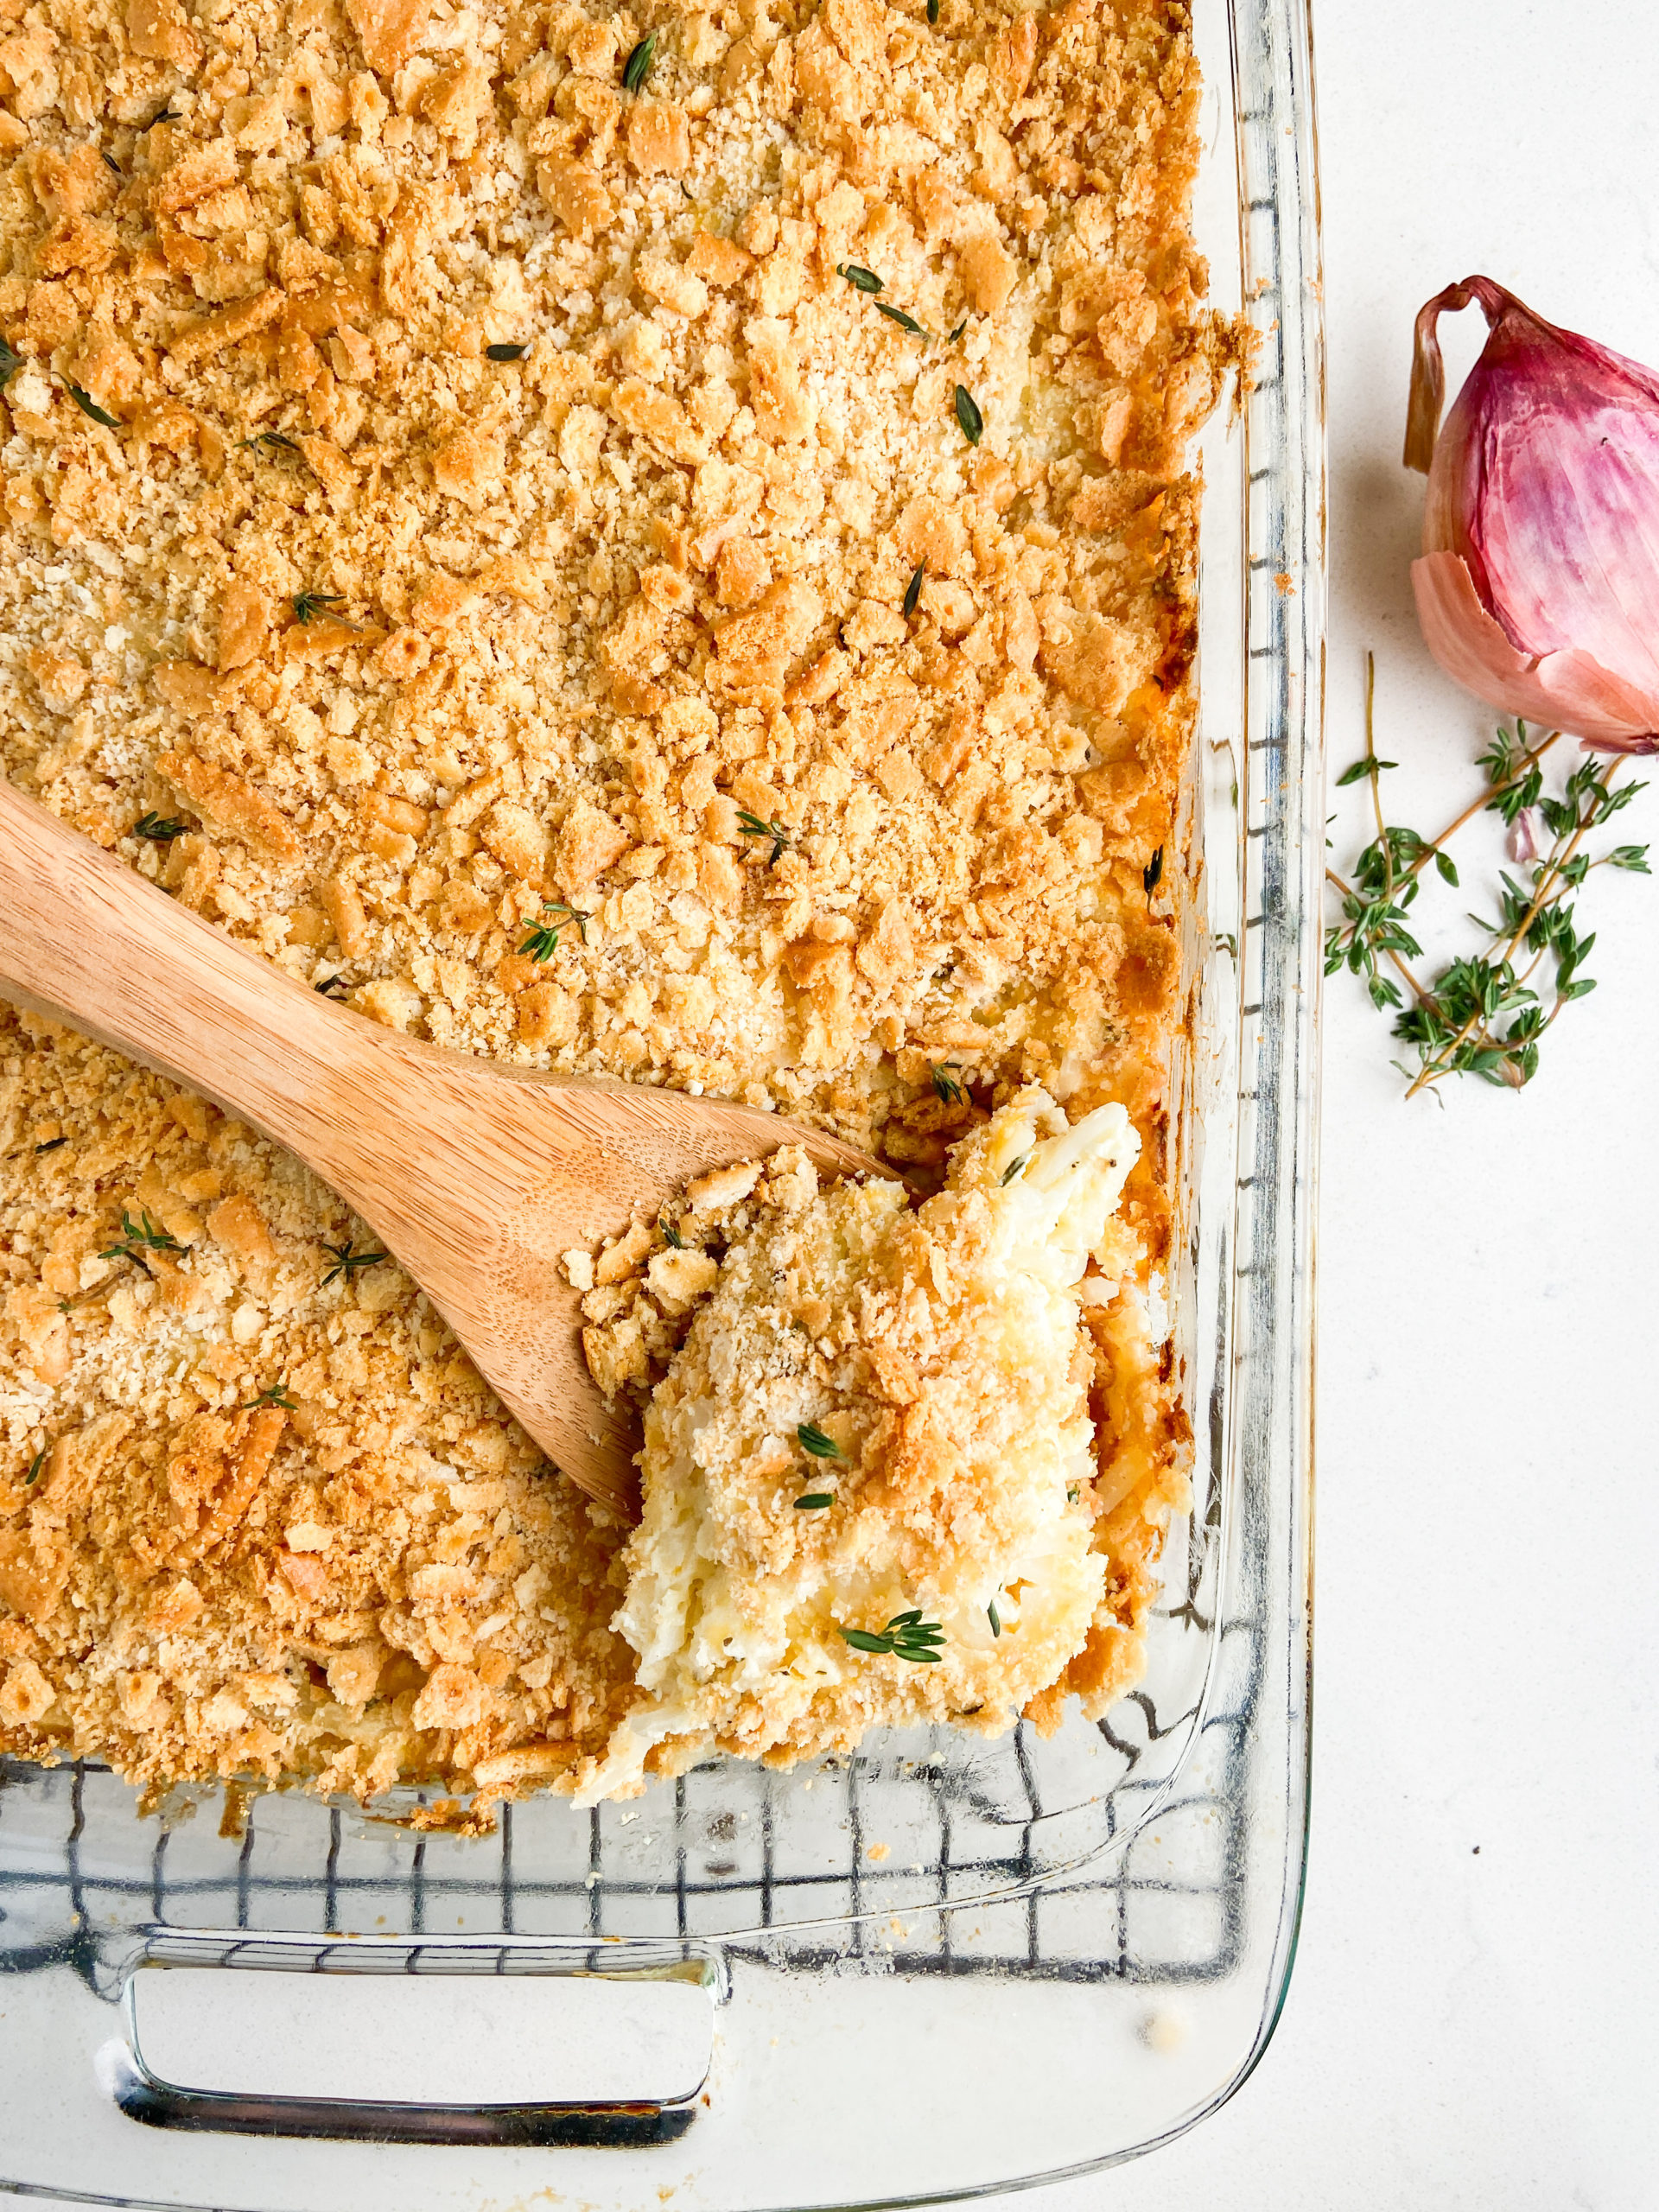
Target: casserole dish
point(934, 1969)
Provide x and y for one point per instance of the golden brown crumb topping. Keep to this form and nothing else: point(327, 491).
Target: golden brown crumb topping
point(465, 534)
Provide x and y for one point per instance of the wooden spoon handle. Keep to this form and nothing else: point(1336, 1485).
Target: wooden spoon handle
point(86, 940)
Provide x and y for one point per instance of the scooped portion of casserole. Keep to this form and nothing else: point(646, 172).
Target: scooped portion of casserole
point(650, 541)
point(869, 1470)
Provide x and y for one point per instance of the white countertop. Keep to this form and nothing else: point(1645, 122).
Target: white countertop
point(1472, 2019)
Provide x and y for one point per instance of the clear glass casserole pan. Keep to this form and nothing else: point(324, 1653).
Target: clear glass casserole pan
point(940, 1969)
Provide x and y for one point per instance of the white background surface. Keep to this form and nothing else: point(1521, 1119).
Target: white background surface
point(1471, 2030)
point(1463, 2031)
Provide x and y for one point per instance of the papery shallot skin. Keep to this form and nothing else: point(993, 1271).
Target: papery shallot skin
point(1538, 587)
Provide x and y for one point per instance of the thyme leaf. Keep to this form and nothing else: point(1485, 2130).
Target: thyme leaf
point(269, 442)
point(165, 113)
point(1013, 1169)
point(995, 1618)
point(913, 589)
point(815, 1501)
point(947, 1082)
point(309, 604)
point(862, 279)
point(812, 1439)
point(34, 1467)
point(10, 362)
point(1370, 766)
point(968, 415)
point(52, 1144)
point(904, 321)
point(1152, 874)
point(347, 1262)
point(957, 332)
point(671, 1232)
point(275, 1394)
point(637, 67)
point(329, 985)
point(933, 13)
point(90, 407)
point(506, 352)
point(159, 829)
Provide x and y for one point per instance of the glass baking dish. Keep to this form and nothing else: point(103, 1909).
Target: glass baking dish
point(939, 1968)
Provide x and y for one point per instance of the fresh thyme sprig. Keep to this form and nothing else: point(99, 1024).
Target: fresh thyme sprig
point(309, 605)
point(542, 943)
point(159, 829)
point(1481, 1014)
point(347, 1262)
point(753, 826)
point(544, 939)
point(671, 1232)
point(947, 1082)
point(137, 1238)
point(274, 1393)
point(906, 1636)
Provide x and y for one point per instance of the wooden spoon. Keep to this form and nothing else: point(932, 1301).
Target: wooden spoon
point(476, 1176)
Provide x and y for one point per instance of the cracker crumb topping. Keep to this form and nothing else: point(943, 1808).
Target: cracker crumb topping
point(507, 505)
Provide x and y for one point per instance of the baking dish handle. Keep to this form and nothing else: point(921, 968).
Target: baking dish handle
point(635, 2059)
point(141, 2096)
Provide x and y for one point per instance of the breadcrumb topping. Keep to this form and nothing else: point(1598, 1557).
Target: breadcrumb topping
point(465, 534)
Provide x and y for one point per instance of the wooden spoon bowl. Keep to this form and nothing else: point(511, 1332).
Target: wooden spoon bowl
point(475, 1176)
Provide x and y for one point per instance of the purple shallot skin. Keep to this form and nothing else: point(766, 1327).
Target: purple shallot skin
point(1538, 587)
